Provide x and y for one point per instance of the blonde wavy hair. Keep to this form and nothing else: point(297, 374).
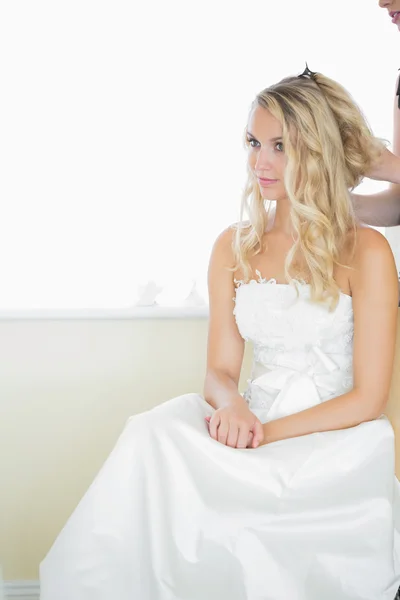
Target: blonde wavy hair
point(329, 148)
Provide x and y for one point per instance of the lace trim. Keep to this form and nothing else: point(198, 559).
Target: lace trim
point(272, 281)
point(294, 284)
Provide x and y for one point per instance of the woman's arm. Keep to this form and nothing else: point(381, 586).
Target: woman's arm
point(383, 209)
point(232, 421)
point(225, 346)
point(375, 298)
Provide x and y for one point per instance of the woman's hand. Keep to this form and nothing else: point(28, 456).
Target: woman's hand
point(236, 426)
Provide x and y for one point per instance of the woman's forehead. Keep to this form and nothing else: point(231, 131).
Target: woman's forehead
point(261, 122)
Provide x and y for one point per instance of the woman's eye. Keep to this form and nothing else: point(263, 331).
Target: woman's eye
point(252, 142)
point(281, 146)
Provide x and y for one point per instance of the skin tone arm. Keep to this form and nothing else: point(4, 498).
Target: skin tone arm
point(375, 297)
point(232, 420)
point(383, 209)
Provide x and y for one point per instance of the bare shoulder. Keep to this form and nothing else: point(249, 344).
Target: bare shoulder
point(222, 256)
point(222, 259)
point(370, 243)
point(372, 259)
point(222, 251)
point(224, 240)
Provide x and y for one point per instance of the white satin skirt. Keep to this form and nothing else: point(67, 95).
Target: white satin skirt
point(176, 515)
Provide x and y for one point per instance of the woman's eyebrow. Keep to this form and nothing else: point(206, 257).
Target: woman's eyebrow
point(274, 139)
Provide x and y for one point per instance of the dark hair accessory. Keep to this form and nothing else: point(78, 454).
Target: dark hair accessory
point(308, 73)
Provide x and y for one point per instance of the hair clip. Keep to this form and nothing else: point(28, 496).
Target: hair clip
point(307, 73)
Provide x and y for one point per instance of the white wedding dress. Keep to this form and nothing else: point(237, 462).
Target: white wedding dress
point(176, 515)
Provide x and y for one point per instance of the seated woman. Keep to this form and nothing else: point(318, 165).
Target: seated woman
point(287, 491)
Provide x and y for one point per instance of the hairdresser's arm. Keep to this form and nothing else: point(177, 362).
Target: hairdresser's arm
point(387, 168)
point(383, 209)
point(375, 298)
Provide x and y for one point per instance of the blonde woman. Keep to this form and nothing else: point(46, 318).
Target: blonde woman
point(287, 491)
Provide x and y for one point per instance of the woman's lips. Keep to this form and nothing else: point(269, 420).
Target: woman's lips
point(396, 16)
point(266, 182)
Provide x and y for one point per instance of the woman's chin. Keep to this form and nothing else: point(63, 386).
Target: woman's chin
point(269, 195)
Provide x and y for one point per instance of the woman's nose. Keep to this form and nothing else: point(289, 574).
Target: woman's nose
point(263, 160)
point(384, 3)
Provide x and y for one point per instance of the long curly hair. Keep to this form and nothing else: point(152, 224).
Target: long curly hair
point(329, 148)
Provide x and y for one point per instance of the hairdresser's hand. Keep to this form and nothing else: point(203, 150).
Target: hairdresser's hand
point(236, 426)
point(386, 168)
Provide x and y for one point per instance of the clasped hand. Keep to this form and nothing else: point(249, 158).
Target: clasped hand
point(236, 426)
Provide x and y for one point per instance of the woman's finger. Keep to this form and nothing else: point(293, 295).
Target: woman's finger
point(250, 440)
point(258, 433)
point(232, 435)
point(244, 437)
point(213, 425)
point(223, 430)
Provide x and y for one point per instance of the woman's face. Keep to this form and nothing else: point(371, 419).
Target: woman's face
point(392, 7)
point(266, 158)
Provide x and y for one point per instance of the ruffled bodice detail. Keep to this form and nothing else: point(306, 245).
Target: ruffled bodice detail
point(302, 351)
